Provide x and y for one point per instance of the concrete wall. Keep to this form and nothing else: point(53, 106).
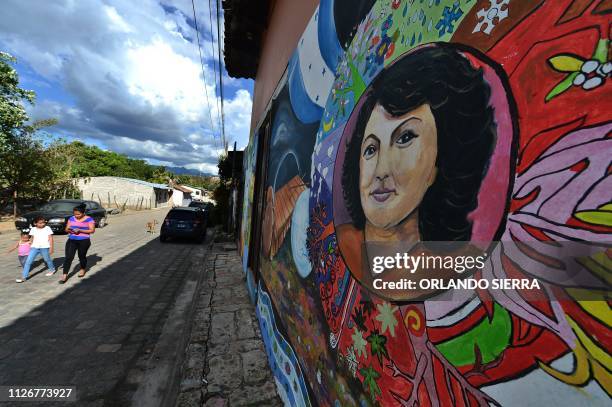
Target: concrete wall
point(180, 198)
point(115, 192)
point(195, 192)
point(494, 126)
point(287, 22)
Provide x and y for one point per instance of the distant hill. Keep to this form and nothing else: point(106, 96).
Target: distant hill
point(188, 171)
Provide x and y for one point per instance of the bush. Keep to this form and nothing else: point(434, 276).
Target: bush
point(220, 212)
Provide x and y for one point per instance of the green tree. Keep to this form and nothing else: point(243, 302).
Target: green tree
point(200, 181)
point(161, 175)
point(81, 160)
point(61, 157)
point(25, 171)
point(225, 168)
point(12, 98)
point(23, 168)
point(221, 194)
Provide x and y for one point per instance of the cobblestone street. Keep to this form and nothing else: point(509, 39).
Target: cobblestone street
point(93, 332)
point(226, 363)
point(102, 333)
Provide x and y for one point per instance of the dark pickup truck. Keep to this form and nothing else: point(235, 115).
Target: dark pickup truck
point(57, 212)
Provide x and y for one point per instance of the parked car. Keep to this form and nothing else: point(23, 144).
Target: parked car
point(21, 207)
point(205, 206)
point(57, 212)
point(184, 222)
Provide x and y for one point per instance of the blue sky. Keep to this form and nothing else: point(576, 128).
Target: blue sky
point(125, 75)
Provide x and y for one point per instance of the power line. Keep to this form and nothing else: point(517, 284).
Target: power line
point(212, 48)
point(195, 21)
point(220, 73)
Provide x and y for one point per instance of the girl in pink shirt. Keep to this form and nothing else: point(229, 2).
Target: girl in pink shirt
point(22, 247)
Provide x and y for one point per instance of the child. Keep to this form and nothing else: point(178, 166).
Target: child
point(42, 242)
point(23, 248)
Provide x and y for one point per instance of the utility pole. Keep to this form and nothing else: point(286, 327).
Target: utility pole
point(230, 221)
point(15, 203)
point(221, 74)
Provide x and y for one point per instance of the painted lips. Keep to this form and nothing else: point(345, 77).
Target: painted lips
point(382, 194)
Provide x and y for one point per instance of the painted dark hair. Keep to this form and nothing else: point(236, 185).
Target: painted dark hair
point(458, 96)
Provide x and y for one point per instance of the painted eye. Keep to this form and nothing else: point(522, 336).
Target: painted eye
point(405, 138)
point(369, 151)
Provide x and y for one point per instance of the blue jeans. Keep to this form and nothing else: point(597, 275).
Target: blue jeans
point(34, 251)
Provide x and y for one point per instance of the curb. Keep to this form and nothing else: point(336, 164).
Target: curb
point(161, 382)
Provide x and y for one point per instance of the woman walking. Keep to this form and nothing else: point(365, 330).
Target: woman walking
point(79, 228)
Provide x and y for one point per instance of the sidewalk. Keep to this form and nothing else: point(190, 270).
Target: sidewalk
point(226, 363)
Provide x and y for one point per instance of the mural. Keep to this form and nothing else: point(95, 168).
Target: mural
point(434, 120)
point(249, 165)
point(249, 161)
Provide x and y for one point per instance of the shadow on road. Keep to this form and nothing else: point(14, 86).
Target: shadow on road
point(91, 334)
point(58, 262)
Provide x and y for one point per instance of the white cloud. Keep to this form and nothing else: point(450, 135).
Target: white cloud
point(117, 22)
point(238, 118)
point(132, 71)
point(158, 75)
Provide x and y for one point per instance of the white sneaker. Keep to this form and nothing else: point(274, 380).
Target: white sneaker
point(50, 273)
point(19, 280)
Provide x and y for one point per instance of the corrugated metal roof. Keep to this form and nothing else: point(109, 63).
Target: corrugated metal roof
point(146, 183)
point(182, 189)
point(135, 181)
point(189, 186)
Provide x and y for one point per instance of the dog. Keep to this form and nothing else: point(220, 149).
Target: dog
point(150, 226)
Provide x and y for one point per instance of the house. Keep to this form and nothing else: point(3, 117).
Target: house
point(207, 196)
point(181, 196)
point(196, 193)
point(408, 122)
point(122, 193)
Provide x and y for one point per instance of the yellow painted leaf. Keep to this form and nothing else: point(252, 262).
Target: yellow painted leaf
point(599, 309)
point(581, 373)
point(566, 63)
point(606, 207)
point(598, 217)
point(594, 350)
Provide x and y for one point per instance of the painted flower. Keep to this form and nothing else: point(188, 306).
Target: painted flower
point(386, 317)
point(592, 74)
point(395, 4)
point(359, 344)
point(587, 74)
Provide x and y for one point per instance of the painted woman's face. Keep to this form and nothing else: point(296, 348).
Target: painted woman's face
point(397, 164)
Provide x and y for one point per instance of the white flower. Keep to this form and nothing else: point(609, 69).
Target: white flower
point(589, 66)
point(580, 79)
point(604, 69)
point(592, 74)
point(592, 83)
